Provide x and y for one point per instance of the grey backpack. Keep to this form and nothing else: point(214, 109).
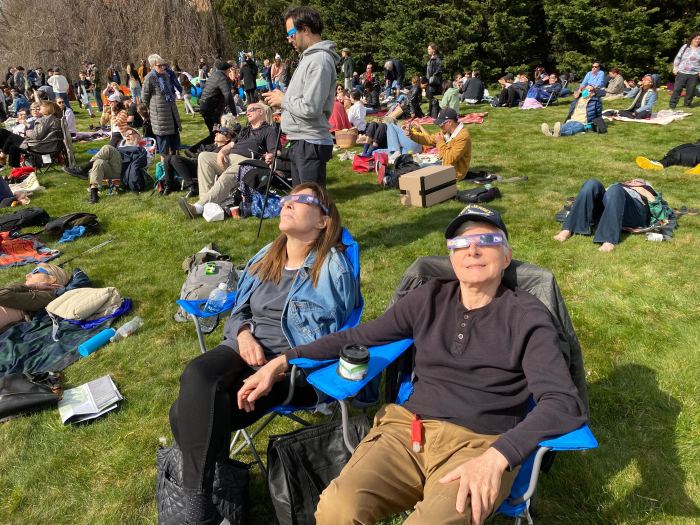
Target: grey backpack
point(201, 279)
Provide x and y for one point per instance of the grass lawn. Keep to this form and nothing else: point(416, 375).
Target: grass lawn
point(635, 310)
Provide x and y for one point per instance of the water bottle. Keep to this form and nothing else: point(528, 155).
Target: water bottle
point(127, 329)
point(96, 342)
point(215, 304)
point(655, 237)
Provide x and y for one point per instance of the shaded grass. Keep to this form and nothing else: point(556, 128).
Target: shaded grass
point(635, 311)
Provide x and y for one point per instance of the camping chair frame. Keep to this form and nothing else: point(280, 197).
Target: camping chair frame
point(195, 309)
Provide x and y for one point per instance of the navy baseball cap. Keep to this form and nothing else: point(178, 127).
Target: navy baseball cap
point(445, 115)
point(475, 212)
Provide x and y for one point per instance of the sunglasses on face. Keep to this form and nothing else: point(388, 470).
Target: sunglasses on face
point(292, 32)
point(480, 239)
point(39, 270)
point(303, 198)
point(252, 110)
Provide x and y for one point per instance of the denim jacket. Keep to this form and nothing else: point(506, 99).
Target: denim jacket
point(309, 312)
point(648, 101)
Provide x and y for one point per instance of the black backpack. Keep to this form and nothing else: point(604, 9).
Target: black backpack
point(478, 195)
point(22, 218)
point(56, 227)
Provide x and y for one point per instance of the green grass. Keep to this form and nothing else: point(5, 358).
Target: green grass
point(635, 310)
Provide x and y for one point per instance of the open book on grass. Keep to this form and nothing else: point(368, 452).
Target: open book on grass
point(89, 401)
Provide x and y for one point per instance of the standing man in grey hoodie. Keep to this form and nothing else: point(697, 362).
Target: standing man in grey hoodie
point(308, 102)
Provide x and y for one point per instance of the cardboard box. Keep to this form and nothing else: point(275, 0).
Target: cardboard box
point(428, 186)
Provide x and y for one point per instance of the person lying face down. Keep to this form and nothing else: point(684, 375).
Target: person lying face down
point(481, 351)
point(19, 301)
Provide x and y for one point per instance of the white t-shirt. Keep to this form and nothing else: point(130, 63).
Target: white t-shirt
point(58, 83)
point(356, 115)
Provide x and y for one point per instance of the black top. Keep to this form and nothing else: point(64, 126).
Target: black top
point(476, 368)
point(256, 141)
point(138, 119)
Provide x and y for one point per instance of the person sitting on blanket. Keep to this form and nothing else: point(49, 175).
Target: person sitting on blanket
point(291, 292)
point(683, 155)
point(258, 138)
point(482, 352)
point(643, 103)
point(453, 142)
point(622, 205)
point(585, 107)
point(472, 88)
point(357, 112)
point(20, 301)
point(415, 96)
point(45, 137)
point(450, 96)
point(616, 85)
point(110, 163)
point(388, 137)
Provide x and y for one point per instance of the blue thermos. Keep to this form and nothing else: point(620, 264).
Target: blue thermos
point(96, 342)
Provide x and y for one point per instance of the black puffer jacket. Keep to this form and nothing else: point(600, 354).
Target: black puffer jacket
point(415, 97)
point(216, 94)
point(165, 118)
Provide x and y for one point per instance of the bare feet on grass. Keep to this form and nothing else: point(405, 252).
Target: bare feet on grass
point(562, 235)
point(606, 247)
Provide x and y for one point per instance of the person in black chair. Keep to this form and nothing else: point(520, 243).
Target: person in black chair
point(482, 352)
point(45, 137)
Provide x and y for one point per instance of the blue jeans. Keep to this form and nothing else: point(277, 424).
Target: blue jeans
point(397, 140)
point(136, 93)
point(610, 210)
point(571, 127)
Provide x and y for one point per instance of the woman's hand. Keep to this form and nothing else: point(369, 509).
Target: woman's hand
point(249, 348)
point(260, 383)
point(222, 159)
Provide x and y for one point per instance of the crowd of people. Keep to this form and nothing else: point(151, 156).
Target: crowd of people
point(296, 293)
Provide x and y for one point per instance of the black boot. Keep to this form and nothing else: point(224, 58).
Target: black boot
point(94, 197)
point(82, 172)
point(199, 508)
point(168, 185)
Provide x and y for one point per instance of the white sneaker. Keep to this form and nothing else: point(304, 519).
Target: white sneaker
point(545, 129)
point(557, 129)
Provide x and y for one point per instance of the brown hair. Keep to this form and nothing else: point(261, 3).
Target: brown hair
point(270, 267)
point(56, 111)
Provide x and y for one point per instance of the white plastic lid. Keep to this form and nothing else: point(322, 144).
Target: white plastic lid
point(223, 286)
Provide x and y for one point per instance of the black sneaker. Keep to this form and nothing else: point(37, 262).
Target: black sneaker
point(76, 172)
point(94, 197)
point(186, 208)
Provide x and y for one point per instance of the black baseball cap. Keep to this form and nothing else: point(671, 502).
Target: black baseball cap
point(445, 115)
point(475, 212)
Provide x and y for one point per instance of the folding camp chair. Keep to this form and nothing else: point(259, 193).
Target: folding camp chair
point(327, 380)
point(194, 308)
point(63, 154)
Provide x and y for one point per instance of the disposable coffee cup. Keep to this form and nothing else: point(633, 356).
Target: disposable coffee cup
point(236, 212)
point(354, 362)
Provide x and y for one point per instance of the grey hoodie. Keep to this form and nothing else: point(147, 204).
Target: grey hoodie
point(308, 101)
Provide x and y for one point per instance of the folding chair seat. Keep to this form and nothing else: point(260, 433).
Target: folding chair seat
point(398, 359)
point(195, 309)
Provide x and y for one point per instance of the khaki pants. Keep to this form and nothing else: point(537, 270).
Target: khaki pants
point(106, 164)
point(384, 476)
point(211, 188)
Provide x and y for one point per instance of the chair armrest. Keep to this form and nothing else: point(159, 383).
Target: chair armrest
point(195, 307)
point(580, 439)
point(330, 383)
point(310, 364)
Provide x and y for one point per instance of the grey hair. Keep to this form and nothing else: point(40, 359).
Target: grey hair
point(228, 120)
point(389, 65)
point(154, 59)
point(467, 225)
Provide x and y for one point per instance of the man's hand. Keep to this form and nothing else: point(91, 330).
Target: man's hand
point(260, 383)
point(479, 480)
point(249, 348)
point(439, 139)
point(222, 159)
point(274, 98)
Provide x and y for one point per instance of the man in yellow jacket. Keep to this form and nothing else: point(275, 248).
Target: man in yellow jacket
point(453, 143)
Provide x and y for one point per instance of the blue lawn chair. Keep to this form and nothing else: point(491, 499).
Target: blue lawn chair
point(195, 309)
point(517, 505)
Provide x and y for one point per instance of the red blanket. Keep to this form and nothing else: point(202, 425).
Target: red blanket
point(469, 118)
point(26, 249)
point(339, 118)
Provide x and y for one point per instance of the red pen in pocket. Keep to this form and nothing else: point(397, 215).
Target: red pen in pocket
point(416, 433)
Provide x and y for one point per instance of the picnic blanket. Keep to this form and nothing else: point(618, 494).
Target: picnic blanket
point(29, 347)
point(662, 118)
point(25, 249)
point(469, 118)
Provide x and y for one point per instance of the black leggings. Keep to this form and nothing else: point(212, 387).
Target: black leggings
point(377, 132)
point(184, 167)
point(10, 142)
point(206, 411)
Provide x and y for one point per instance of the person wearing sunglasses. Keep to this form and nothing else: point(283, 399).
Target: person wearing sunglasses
point(481, 350)
point(158, 93)
point(217, 173)
point(308, 102)
point(594, 78)
point(20, 301)
point(293, 291)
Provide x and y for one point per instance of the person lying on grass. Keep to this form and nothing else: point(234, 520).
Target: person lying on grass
point(683, 155)
point(481, 351)
point(585, 107)
point(19, 301)
point(622, 205)
point(292, 292)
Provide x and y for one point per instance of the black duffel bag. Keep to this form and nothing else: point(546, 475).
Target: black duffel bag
point(478, 195)
point(302, 463)
point(230, 494)
point(24, 393)
point(23, 218)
